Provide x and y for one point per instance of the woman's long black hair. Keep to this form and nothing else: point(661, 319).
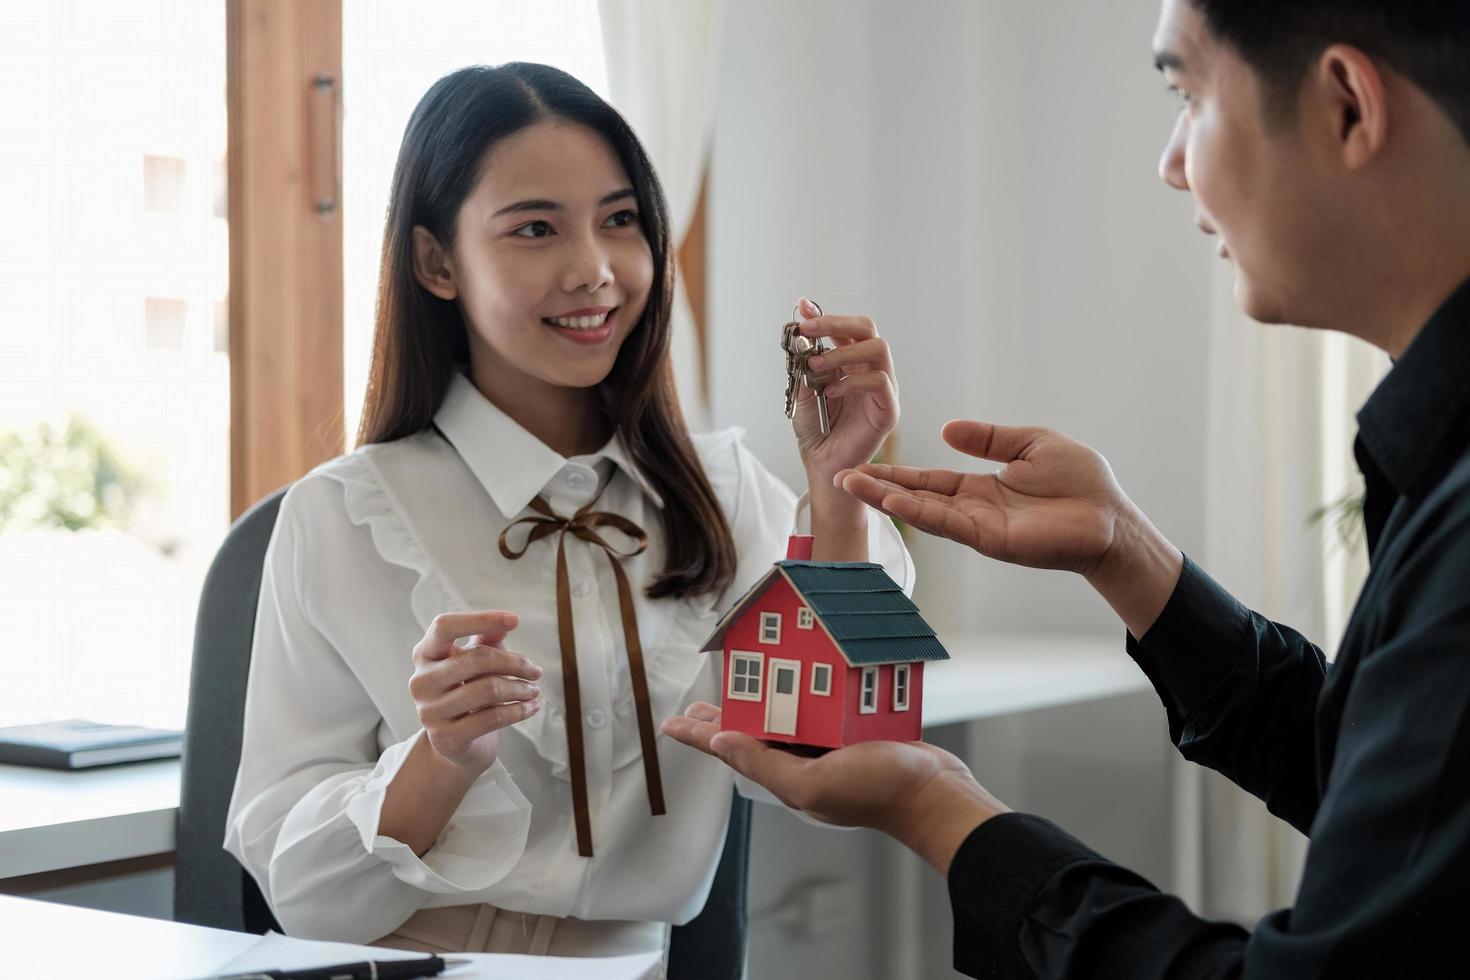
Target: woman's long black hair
point(421, 340)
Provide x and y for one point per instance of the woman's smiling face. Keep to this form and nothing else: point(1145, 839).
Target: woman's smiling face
point(550, 265)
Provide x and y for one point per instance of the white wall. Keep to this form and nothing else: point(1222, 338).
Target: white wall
point(981, 178)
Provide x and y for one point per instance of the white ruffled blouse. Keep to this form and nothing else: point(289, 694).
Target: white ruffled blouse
point(370, 547)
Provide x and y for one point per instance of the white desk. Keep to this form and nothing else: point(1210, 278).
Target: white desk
point(41, 939)
point(53, 820)
point(61, 942)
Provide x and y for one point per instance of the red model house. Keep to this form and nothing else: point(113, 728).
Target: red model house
point(824, 654)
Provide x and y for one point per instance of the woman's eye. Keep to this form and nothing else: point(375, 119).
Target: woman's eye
point(1180, 94)
point(533, 229)
point(623, 219)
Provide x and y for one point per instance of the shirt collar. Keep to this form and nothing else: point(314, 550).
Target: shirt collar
point(512, 464)
point(1417, 422)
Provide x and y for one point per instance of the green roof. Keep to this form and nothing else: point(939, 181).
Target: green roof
point(863, 610)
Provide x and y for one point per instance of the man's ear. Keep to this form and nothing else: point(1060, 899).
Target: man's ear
point(1351, 87)
point(433, 266)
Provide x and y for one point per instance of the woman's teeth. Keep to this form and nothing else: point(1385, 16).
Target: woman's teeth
point(578, 322)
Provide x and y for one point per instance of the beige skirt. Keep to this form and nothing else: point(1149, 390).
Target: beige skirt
point(487, 929)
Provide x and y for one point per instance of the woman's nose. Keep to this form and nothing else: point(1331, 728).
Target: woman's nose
point(589, 267)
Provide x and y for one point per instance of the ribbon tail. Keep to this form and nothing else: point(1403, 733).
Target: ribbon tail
point(641, 700)
point(572, 692)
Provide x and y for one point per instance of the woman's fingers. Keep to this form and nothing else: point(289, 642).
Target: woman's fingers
point(478, 661)
point(874, 383)
point(477, 695)
point(481, 723)
point(839, 327)
point(439, 641)
point(872, 354)
point(432, 678)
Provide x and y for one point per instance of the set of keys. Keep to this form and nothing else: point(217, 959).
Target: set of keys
point(799, 352)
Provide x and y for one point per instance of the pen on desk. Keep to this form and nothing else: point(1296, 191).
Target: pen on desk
point(429, 966)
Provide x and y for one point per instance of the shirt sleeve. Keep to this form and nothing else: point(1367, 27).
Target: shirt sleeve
point(1029, 900)
point(309, 791)
point(1240, 693)
point(1382, 891)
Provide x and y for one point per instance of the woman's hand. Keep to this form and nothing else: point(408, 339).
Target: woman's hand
point(862, 402)
point(465, 694)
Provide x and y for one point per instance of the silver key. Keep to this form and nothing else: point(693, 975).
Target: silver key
point(818, 382)
point(798, 351)
point(788, 344)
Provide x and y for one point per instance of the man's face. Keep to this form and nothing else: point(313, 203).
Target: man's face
point(1252, 181)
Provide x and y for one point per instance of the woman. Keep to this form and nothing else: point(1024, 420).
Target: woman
point(462, 651)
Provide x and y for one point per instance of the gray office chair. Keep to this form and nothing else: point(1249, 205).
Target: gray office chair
point(210, 887)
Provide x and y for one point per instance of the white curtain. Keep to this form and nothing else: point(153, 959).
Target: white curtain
point(663, 76)
point(1282, 402)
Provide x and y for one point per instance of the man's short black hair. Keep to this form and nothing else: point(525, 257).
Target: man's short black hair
point(1426, 41)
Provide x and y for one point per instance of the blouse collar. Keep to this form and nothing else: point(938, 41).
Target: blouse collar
point(512, 464)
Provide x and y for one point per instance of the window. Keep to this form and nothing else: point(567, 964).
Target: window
point(804, 618)
point(821, 679)
point(120, 409)
point(770, 627)
point(901, 687)
point(114, 403)
point(869, 703)
point(745, 676)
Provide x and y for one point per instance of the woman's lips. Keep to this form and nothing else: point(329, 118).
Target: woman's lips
point(586, 336)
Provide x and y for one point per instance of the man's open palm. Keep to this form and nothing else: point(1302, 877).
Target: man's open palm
point(1054, 504)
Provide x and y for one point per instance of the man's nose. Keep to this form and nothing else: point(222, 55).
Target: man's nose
point(1171, 164)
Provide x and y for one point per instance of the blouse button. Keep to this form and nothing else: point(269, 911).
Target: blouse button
point(596, 718)
point(581, 588)
point(576, 479)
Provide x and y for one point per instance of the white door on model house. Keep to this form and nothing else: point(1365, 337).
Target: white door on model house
point(782, 694)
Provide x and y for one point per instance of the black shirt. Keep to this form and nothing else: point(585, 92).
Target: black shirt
point(1369, 756)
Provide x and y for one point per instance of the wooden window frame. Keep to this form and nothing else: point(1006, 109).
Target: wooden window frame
point(825, 670)
point(283, 93)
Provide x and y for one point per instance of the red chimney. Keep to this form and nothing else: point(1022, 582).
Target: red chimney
point(799, 547)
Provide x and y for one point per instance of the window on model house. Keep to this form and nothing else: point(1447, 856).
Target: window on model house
point(821, 679)
point(901, 687)
point(869, 703)
point(745, 676)
point(770, 627)
point(804, 618)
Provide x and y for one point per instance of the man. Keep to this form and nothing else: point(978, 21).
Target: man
point(1327, 143)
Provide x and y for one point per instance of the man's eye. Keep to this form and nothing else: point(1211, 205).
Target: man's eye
point(623, 219)
point(533, 229)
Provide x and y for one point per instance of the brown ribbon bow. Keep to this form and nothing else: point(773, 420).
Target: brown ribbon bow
point(584, 525)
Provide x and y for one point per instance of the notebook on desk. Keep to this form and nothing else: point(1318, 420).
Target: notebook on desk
point(79, 744)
